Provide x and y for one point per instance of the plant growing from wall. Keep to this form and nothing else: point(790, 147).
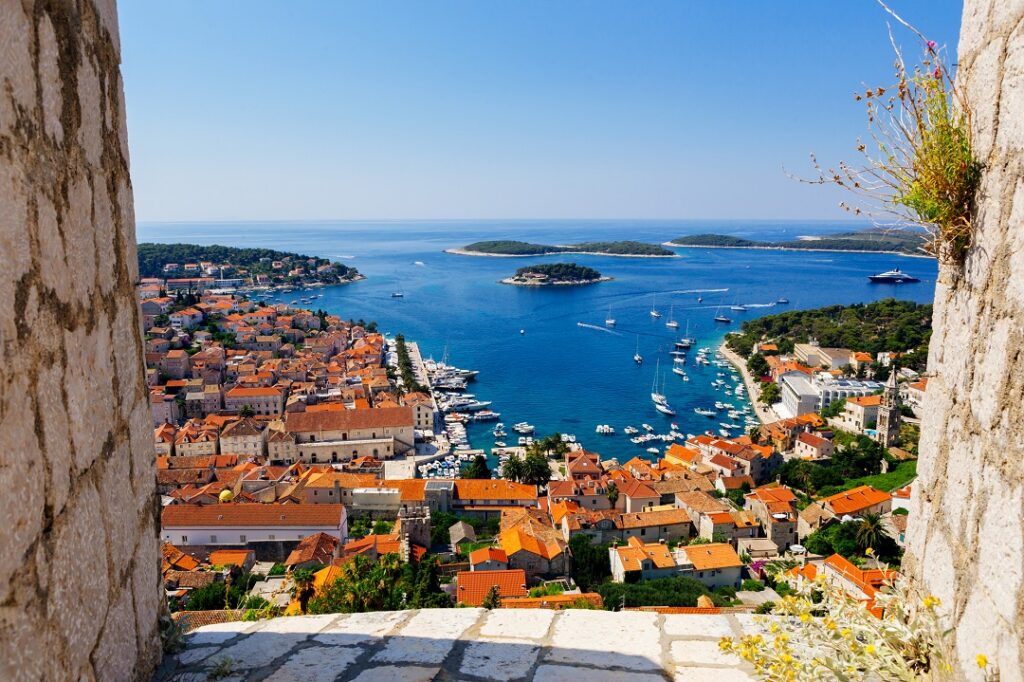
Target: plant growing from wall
point(918, 166)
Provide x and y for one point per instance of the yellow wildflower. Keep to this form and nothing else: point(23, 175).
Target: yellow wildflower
point(869, 649)
point(804, 617)
point(982, 660)
point(869, 551)
point(931, 601)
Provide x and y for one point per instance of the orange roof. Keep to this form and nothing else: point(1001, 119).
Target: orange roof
point(636, 552)
point(681, 453)
point(807, 571)
point(240, 392)
point(490, 489)
point(557, 601)
point(661, 517)
point(861, 356)
point(349, 419)
point(473, 586)
point(264, 515)
point(488, 554)
point(867, 581)
point(814, 440)
point(515, 540)
point(230, 557)
point(855, 500)
point(712, 556)
point(865, 400)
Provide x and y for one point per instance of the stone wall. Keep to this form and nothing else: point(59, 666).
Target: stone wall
point(80, 590)
point(966, 534)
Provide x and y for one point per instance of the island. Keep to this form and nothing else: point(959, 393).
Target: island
point(217, 266)
point(512, 248)
point(907, 242)
point(555, 274)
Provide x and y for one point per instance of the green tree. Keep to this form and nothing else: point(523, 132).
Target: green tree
point(537, 470)
point(514, 469)
point(757, 365)
point(493, 599)
point(770, 393)
point(590, 563)
point(246, 411)
point(302, 586)
point(477, 469)
point(870, 531)
point(613, 494)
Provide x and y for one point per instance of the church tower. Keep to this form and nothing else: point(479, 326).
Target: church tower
point(889, 413)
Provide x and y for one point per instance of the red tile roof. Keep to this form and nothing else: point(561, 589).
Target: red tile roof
point(855, 500)
point(252, 515)
point(473, 586)
point(344, 420)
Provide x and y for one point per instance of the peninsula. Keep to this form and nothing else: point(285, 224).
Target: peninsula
point(215, 266)
point(511, 248)
point(555, 274)
point(903, 242)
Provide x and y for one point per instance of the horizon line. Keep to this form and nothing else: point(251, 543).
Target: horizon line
point(200, 221)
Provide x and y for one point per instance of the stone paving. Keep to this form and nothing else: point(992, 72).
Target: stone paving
point(475, 645)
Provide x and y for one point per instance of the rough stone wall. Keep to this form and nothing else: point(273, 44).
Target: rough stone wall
point(966, 534)
point(80, 591)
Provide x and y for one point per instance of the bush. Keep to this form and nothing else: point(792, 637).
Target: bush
point(751, 585)
point(765, 607)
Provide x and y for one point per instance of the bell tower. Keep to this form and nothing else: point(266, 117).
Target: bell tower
point(889, 413)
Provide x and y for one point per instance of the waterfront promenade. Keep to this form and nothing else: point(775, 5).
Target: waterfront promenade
point(764, 413)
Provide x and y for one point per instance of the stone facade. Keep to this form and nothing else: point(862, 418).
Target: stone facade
point(966, 530)
point(80, 596)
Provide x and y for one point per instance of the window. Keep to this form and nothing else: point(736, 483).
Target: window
point(213, 539)
point(241, 538)
point(271, 537)
point(184, 538)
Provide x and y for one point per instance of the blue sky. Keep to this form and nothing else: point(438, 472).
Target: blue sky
point(456, 109)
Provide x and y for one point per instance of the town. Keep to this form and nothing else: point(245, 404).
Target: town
point(300, 454)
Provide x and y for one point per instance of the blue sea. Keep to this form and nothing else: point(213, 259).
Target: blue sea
point(558, 375)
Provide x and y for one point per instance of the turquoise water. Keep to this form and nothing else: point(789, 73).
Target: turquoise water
point(558, 375)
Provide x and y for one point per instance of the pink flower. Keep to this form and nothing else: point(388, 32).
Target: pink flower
point(938, 73)
point(931, 46)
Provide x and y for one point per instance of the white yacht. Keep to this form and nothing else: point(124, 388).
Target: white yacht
point(671, 324)
point(609, 321)
point(654, 308)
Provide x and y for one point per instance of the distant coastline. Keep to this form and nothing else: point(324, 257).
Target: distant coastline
point(464, 252)
point(793, 248)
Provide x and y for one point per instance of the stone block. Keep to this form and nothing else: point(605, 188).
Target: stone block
point(697, 625)
point(694, 674)
point(499, 660)
point(360, 629)
point(428, 637)
point(629, 640)
point(218, 633)
point(517, 623)
point(393, 673)
point(701, 652)
point(257, 650)
point(565, 673)
point(315, 663)
point(116, 653)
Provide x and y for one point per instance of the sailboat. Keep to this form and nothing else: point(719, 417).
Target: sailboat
point(654, 309)
point(719, 317)
point(658, 398)
point(637, 358)
point(671, 324)
point(609, 321)
point(687, 341)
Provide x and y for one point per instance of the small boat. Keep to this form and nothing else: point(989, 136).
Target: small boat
point(654, 309)
point(719, 317)
point(894, 276)
point(671, 324)
point(738, 308)
point(609, 321)
point(647, 427)
point(653, 451)
point(782, 300)
point(679, 371)
point(499, 444)
point(703, 412)
point(522, 331)
point(665, 408)
point(679, 360)
point(397, 294)
point(630, 430)
point(637, 358)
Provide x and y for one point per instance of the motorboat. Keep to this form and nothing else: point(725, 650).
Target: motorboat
point(665, 408)
point(894, 276)
point(704, 412)
point(679, 370)
point(782, 300)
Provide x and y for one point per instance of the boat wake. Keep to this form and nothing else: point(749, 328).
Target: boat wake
point(759, 305)
point(699, 291)
point(598, 328)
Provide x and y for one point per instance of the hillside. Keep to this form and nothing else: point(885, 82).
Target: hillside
point(518, 248)
point(895, 241)
point(237, 262)
point(886, 325)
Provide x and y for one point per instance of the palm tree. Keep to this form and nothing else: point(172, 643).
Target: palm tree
point(302, 589)
point(537, 470)
point(613, 494)
point(514, 469)
point(870, 531)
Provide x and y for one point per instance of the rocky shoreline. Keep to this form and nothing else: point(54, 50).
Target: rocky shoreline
point(790, 248)
point(464, 252)
point(534, 283)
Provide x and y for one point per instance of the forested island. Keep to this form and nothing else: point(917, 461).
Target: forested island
point(555, 274)
point(905, 242)
point(869, 327)
point(252, 265)
point(518, 248)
